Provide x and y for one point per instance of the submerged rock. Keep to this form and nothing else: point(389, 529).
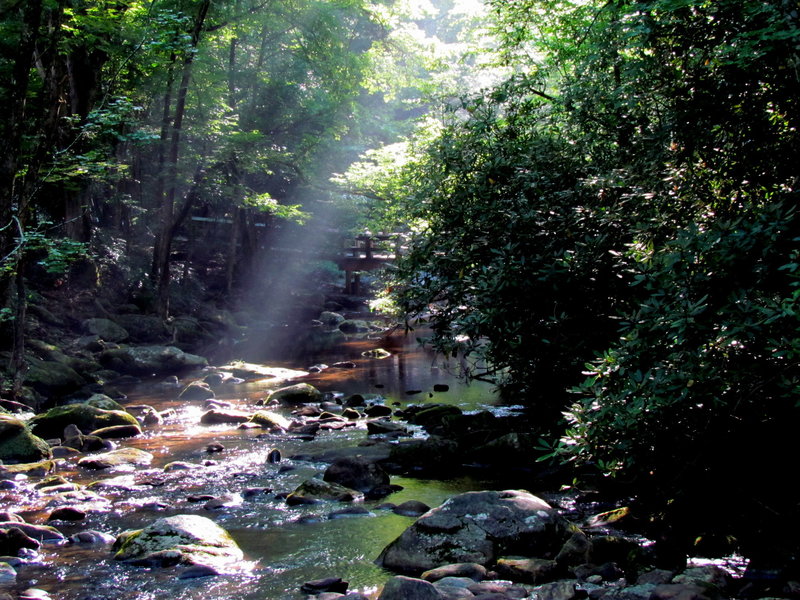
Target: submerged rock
point(181, 539)
point(316, 490)
point(477, 527)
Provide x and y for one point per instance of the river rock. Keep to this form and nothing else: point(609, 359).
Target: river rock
point(116, 432)
point(90, 537)
point(406, 588)
point(41, 533)
point(353, 326)
point(315, 490)
point(18, 444)
point(145, 329)
point(300, 393)
point(87, 418)
point(356, 473)
point(527, 570)
point(116, 458)
point(197, 390)
point(8, 574)
point(67, 513)
point(270, 420)
point(34, 469)
point(329, 584)
point(106, 329)
point(150, 360)
point(331, 319)
point(411, 508)
point(477, 527)
point(221, 416)
point(103, 401)
point(181, 539)
point(13, 539)
point(473, 571)
point(378, 410)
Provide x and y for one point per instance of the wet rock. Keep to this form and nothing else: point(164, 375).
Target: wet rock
point(41, 533)
point(181, 539)
point(220, 502)
point(351, 414)
point(197, 390)
point(8, 574)
point(300, 393)
point(454, 588)
point(13, 539)
point(474, 571)
point(64, 452)
point(103, 401)
point(255, 492)
point(196, 571)
point(116, 432)
point(218, 416)
point(406, 588)
point(378, 410)
point(378, 353)
point(35, 469)
point(527, 570)
point(116, 458)
point(345, 364)
point(441, 387)
point(19, 444)
point(214, 447)
point(356, 473)
point(274, 456)
point(85, 417)
point(411, 508)
point(414, 455)
point(477, 527)
point(149, 360)
point(180, 465)
point(354, 401)
point(655, 577)
point(329, 584)
point(34, 594)
point(152, 417)
point(315, 490)
point(67, 513)
point(386, 427)
point(497, 590)
point(558, 590)
point(7, 515)
point(143, 328)
point(270, 420)
point(681, 591)
point(575, 551)
point(706, 575)
point(433, 415)
point(91, 537)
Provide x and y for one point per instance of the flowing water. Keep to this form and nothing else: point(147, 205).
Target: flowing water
point(284, 546)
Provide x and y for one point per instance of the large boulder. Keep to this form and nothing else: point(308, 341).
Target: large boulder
point(300, 393)
point(18, 444)
point(146, 329)
point(181, 539)
point(85, 417)
point(478, 527)
point(316, 490)
point(106, 329)
point(52, 378)
point(150, 360)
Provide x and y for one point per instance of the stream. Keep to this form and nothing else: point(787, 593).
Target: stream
point(284, 546)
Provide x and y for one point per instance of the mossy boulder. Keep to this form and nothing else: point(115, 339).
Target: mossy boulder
point(181, 539)
point(85, 417)
point(300, 393)
point(197, 390)
point(316, 490)
point(145, 329)
point(106, 329)
point(104, 402)
point(18, 444)
point(52, 378)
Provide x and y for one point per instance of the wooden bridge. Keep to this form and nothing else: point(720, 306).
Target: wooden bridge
point(367, 252)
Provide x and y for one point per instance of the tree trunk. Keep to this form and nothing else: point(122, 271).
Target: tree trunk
point(168, 208)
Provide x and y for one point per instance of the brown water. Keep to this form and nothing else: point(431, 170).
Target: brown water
point(281, 552)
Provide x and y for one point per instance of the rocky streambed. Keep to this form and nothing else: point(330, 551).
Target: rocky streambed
point(374, 476)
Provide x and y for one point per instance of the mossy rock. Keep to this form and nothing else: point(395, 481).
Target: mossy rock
point(181, 539)
point(143, 328)
point(104, 402)
point(87, 418)
point(33, 469)
point(106, 329)
point(300, 393)
point(316, 490)
point(270, 420)
point(52, 378)
point(197, 390)
point(18, 444)
point(116, 458)
point(354, 326)
point(150, 360)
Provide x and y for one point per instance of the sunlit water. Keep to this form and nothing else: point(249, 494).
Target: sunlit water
point(284, 546)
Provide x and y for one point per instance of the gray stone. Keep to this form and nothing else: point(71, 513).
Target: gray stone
point(477, 527)
point(116, 458)
point(106, 329)
point(406, 588)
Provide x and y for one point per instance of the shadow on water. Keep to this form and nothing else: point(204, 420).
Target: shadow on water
point(284, 546)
